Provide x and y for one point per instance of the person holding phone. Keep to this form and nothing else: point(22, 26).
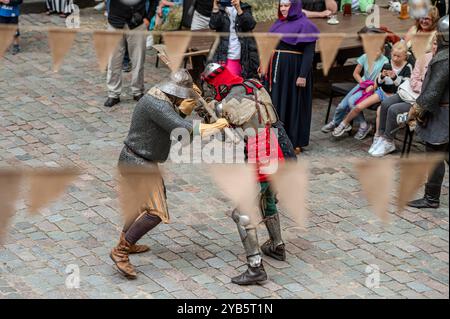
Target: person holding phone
point(239, 54)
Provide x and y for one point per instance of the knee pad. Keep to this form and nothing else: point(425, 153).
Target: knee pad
point(240, 220)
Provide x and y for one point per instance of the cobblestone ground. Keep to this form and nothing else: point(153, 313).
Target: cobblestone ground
point(52, 119)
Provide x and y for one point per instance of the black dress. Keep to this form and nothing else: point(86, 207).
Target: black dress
point(293, 104)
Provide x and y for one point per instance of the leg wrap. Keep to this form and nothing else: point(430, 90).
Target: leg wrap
point(249, 238)
point(141, 226)
point(268, 203)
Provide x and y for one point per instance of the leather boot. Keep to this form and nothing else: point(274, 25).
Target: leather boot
point(431, 199)
point(119, 255)
point(252, 276)
point(278, 252)
point(274, 247)
point(135, 249)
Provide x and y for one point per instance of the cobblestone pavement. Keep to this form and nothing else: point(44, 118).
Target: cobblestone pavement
point(49, 119)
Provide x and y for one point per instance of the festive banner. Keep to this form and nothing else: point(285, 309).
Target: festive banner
point(6, 37)
point(214, 47)
point(136, 186)
point(46, 185)
point(176, 46)
point(373, 46)
point(60, 41)
point(377, 181)
point(239, 183)
point(329, 47)
point(290, 184)
point(9, 191)
point(413, 173)
point(267, 43)
point(105, 42)
point(421, 43)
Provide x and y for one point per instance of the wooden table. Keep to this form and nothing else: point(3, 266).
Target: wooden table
point(349, 25)
point(200, 46)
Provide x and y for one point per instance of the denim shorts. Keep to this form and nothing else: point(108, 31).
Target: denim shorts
point(381, 94)
point(10, 20)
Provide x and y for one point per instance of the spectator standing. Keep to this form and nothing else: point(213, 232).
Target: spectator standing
point(202, 14)
point(290, 73)
point(239, 54)
point(431, 114)
point(9, 14)
point(62, 7)
point(136, 17)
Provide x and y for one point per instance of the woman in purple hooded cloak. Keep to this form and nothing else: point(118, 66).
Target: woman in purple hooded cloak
point(290, 72)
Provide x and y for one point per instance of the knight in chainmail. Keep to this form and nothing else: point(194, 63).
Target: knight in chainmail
point(163, 109)
point(431, 114)
point(246, 104)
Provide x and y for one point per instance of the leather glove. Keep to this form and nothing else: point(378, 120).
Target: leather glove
point(210, 129)
point(420, 115)
point(197, 90)
point(187, 106)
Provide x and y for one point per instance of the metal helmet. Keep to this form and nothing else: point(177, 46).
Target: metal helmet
point(210, 70)
point(180, 85)
point(442, 31)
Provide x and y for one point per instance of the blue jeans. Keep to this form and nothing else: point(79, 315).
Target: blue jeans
point(348, 103)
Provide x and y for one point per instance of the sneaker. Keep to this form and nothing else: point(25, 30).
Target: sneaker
point(111, 101)
point(100, 6)
point(15, 49)
point(376, 141)
point(403, 118)
point(384, 148)
point(341, 129)
point(363, 132)
point(150, 42)
point(329, 127)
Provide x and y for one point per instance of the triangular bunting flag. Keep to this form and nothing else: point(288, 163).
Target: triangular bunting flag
point(329, 47)
point(214, 47)
point(46, 185)
point(420, 43)
point(6, 37)
point(290, 184)
point(60, 41)
point(377, 181)
point(9, 191)
point(105, 42)
point(239, 183)
point(136, 186)
point(413, 173)
point(176, 46)
point(372, 44)
point(267, 43)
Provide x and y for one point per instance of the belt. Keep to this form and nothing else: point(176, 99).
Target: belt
point(288, 51)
